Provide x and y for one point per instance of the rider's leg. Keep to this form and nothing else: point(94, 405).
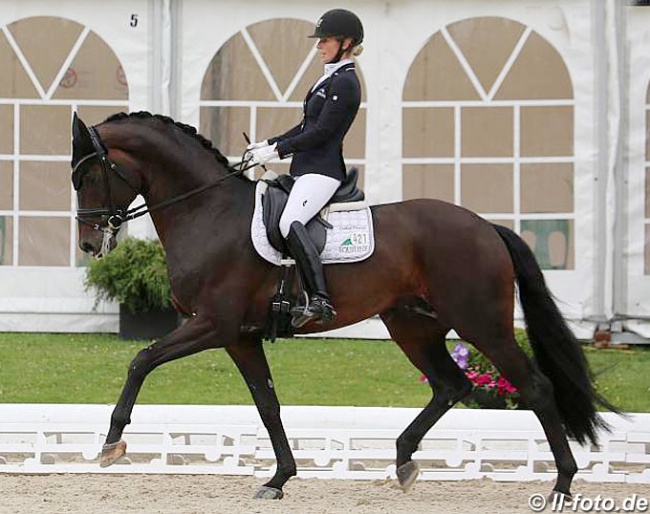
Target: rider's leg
point(309, 195)
point(304, 251)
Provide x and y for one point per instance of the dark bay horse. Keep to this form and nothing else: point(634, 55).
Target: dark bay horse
point(436, 267)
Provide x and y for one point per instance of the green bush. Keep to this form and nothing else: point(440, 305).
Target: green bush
point(133, 274)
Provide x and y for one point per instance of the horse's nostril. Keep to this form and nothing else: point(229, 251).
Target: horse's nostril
point(86, 247)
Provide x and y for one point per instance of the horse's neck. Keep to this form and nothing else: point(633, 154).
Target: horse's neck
point(175, 166)
point(170, 173)
point(197, 187)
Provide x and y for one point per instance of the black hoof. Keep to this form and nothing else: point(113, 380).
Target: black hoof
point(557, 496)
point(268, 493)
point(407, 474)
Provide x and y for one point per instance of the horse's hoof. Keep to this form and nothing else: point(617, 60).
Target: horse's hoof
point(268, 493)
point(558, 496)
point(112, 452)
point(407, 474)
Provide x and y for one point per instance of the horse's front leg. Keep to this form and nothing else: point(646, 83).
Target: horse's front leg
point(196, 335)
point(249, 357)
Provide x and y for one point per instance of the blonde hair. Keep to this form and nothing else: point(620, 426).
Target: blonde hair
point(357, 50)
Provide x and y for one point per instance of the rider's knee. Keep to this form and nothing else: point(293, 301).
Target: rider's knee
point(285, 225)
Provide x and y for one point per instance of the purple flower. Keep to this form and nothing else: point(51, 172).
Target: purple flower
point(460, 354)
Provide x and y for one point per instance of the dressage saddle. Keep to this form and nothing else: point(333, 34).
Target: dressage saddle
point(275, 200)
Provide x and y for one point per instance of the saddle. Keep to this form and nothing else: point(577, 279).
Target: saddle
point(275, 200)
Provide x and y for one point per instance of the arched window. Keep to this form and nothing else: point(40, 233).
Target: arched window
point(50, 67)
point(256, 84)
point(488, 124)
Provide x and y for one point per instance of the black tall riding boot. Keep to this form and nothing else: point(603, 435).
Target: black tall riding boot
point(304, 251)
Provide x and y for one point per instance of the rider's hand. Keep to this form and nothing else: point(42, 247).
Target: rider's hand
point(254, 146)
point(260, 156)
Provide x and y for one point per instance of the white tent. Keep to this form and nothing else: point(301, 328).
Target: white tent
point(534, 115)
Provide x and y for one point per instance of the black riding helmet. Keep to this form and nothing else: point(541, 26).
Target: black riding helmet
point(339, 23)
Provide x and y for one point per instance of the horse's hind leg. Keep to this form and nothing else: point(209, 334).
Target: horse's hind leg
point(536, 391)
point(249, 357)
point(422, 339)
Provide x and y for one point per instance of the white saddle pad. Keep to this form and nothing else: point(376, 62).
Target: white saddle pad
point(351, 240)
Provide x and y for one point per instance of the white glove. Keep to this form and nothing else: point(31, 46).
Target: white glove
point(260, 156)
point(261, 144)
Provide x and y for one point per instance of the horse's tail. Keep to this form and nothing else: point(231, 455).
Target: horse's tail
point(557, 351)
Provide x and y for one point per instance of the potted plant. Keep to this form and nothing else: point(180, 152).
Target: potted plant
point(135, 275)
point(490, 390)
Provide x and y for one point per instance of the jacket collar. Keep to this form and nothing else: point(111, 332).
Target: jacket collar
point(329, 70)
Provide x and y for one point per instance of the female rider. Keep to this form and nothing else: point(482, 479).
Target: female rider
point(316, 145)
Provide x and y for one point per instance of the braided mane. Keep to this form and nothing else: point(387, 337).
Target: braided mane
point(187, 129)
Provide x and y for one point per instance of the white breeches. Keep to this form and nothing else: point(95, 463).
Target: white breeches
point(310, 193)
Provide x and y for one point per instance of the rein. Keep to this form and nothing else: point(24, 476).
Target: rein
point(143, 209)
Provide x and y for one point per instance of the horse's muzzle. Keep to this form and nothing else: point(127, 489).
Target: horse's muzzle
point(87, 248)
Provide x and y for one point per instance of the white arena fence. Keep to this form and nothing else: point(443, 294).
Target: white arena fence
point(328, 442)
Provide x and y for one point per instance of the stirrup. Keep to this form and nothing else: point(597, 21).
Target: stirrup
point(318, 308)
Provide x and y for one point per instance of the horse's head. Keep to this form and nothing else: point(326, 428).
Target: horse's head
point(103, 192)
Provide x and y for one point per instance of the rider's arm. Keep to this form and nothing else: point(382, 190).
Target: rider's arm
point(289, 133)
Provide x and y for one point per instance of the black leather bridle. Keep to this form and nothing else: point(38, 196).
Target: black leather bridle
point(112, 216)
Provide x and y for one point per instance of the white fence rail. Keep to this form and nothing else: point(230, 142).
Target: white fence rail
point(328, 442)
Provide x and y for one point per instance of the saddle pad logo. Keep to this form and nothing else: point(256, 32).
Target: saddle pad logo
point(355, 243)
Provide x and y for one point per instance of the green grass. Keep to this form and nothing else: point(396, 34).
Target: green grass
point(65, 368)
point(623, 376)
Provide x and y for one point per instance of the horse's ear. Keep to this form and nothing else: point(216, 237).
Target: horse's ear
point(79, 129)
point(82, 144)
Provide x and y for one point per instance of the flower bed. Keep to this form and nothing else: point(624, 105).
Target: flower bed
point(491, 390)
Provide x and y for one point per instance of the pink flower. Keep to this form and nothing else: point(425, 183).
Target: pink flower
point(472, 375)
point(511, 389)
point(505, 386)
point(483, 379)
point(503, 383)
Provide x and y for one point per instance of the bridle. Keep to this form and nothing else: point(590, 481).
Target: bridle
point(113, 217)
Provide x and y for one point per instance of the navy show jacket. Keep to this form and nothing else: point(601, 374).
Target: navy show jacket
point(328, 112)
